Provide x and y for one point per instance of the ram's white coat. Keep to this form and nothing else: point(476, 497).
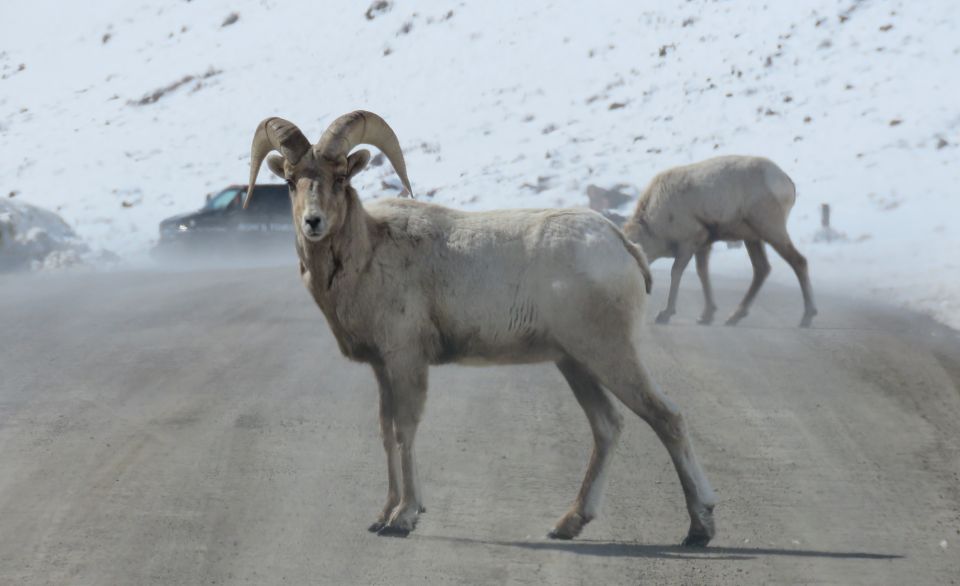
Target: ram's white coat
point(405, 285)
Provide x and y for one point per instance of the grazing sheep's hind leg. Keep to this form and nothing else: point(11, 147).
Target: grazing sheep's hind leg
point(408, 383)
point(703, 263)
point(605, 423)
point(761, 269)
point(684, 254)
point(391, 448)
point(799, 264)
point(780, 241)
point(619, 370)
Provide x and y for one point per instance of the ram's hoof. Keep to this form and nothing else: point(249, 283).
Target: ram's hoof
point(664, 317)
point(807, 319)
point(391, 531)
point(569, 526)
point(696, 540)
point(736, 317)
point(376, 526)
point(702, 527)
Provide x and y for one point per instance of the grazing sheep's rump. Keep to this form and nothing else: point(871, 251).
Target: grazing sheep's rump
point(719, 194)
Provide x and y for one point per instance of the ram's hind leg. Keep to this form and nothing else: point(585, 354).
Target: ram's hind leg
point(605, 423)
point(619, 370)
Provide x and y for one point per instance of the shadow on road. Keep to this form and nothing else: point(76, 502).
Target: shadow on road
point(620, 549)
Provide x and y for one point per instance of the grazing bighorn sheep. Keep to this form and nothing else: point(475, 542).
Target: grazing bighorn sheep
point(405, 285)
point(686, 209)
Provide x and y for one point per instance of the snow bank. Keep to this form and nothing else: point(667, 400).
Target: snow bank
point(34, 238)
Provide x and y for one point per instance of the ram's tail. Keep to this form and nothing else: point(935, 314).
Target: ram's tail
point(637, 253)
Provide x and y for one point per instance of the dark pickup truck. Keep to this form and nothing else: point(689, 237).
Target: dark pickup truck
point(222, 225)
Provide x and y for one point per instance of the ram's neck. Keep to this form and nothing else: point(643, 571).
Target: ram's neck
point(332, 271)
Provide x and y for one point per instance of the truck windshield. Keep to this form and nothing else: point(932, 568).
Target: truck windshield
point(222, 200)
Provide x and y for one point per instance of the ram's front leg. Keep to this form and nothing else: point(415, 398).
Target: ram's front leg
point(408, 382)
point(391, 448)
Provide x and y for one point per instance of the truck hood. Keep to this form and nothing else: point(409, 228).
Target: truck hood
point(197, 215)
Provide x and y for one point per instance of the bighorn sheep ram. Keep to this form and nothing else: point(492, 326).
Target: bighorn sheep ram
point(686, 209)
point(405, 285)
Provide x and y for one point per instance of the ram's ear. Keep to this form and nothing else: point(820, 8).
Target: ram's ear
point(275, 163)
point(357, 161)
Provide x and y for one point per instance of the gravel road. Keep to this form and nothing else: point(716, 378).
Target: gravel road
point(202, 428)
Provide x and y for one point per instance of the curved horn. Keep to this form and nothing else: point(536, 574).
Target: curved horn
point(362, 127)
point(275, 134)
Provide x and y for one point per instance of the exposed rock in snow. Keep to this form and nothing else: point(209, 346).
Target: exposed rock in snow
point(377, 8)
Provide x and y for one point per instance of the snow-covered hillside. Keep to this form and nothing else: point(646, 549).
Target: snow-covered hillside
point(118, 113)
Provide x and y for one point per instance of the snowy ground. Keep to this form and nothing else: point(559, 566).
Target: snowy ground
point(524, 104)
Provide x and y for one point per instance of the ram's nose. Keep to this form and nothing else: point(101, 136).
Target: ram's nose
point(313, 226)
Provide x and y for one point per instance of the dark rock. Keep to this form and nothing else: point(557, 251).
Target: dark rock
point(602, 199)
point(230, 19)
point(377, 8)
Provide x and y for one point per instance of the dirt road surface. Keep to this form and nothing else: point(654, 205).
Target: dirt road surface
point(202, 428)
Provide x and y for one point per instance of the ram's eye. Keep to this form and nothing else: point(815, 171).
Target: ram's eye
point(339, 180)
